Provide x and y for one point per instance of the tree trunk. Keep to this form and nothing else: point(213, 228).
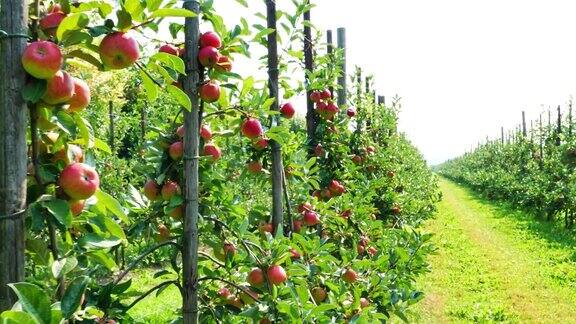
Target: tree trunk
point(191, 160)
point(13, 19)
point(277, 169)
point(342, 91)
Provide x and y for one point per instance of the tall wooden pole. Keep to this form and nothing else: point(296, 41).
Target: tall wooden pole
point(277, 169)
point(502, 134)
point(381, 100)
point(311, 115)
point(570, 119)
point(111, 125)
point(559, 127)
point(191, 175)
point(342, 91)
point(13, 150)
point(524, 132)
point(330, 52)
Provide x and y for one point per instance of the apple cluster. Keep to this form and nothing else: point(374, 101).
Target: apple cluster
point(325, 106)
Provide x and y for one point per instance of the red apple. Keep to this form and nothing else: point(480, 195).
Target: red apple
point(252, 128)
point(287, 110)
point(351, 112)
point(276, 275)
point(256, 277)
point(372, 251)
point(254, 166)
point(332, 109)
point(177, 212)
point(294, 254)
point(315, 96)
point(180, 131)
point(79, 181)
point(297, 224)
point(164, 232)
point(209, 91)
point(151, 189)
point(319, 150)
point(76, 206)
point(391, 174)
point(205, 133)
point(304, 207)
point(349, 276)
point(229, 248)
point(176, 150)
point(224, 64)
point(311, 218)
point(81, 97)
point(346, 214)
point(261, 144)
point(59, 88)
point(213, 151)
point(49, 23)
point(72, 154)
point(264, 321)
point(325, 94)
point(364, 302)
point(208, 56)
point(210, 38)
point(265, 228)
point(169, 49)
point(336, 188)
point(170, 189)
point(318, 294)
point(42, 59)
point(360, 249)
point(119, 50)
point(370, 149)
point(396, 210)
point(224, 292)
point(357, 159)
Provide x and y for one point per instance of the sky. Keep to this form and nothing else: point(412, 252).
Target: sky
point(462, 68)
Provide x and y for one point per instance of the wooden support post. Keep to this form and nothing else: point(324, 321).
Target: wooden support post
point(13, 149)
point(524, 132)
point(381, 100)
point(111, 125)
point(191, 173)
point(559, 127)
point(541, 140)
point(330, 52)
point(342, 90)
point(502, 134)
point(311, 115)
point(277, 169)
point(570, 119)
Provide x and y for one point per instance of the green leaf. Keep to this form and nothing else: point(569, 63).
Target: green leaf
point(171, 61)
point(172, 12)
point(34, 90)
point(262, 33)
point(16, 317)
point(243, 2)
point(87, 57)
point(247, 85)
point(102, 258)
point(60, 209)
point(93, 241)
point(102, 146)
point(85, 130)
point(72, 22)
point(64, 266)
point(180, 96)
point(112, 205)
point(73, 296)
point(34, 301)
point(149, 86)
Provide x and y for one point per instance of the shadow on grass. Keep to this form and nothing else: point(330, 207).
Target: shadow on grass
point(551, 231)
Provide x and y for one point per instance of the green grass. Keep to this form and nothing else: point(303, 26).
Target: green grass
point(496, 264)
point(154, 309)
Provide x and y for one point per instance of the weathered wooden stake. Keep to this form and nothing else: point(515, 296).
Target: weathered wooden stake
point(381, 100)
point(342, 90)
point(570, 119)
point(191, 174)
point(277, 169)
point(330, 52)
point(13, 149)
point(502, 134)
point(311, 115)
point(558, 127)
point(524, 132)
point(111, 125)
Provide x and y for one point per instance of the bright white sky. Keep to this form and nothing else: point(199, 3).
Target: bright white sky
point(462, 68)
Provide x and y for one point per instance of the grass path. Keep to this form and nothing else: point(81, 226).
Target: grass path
point(496, 264)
